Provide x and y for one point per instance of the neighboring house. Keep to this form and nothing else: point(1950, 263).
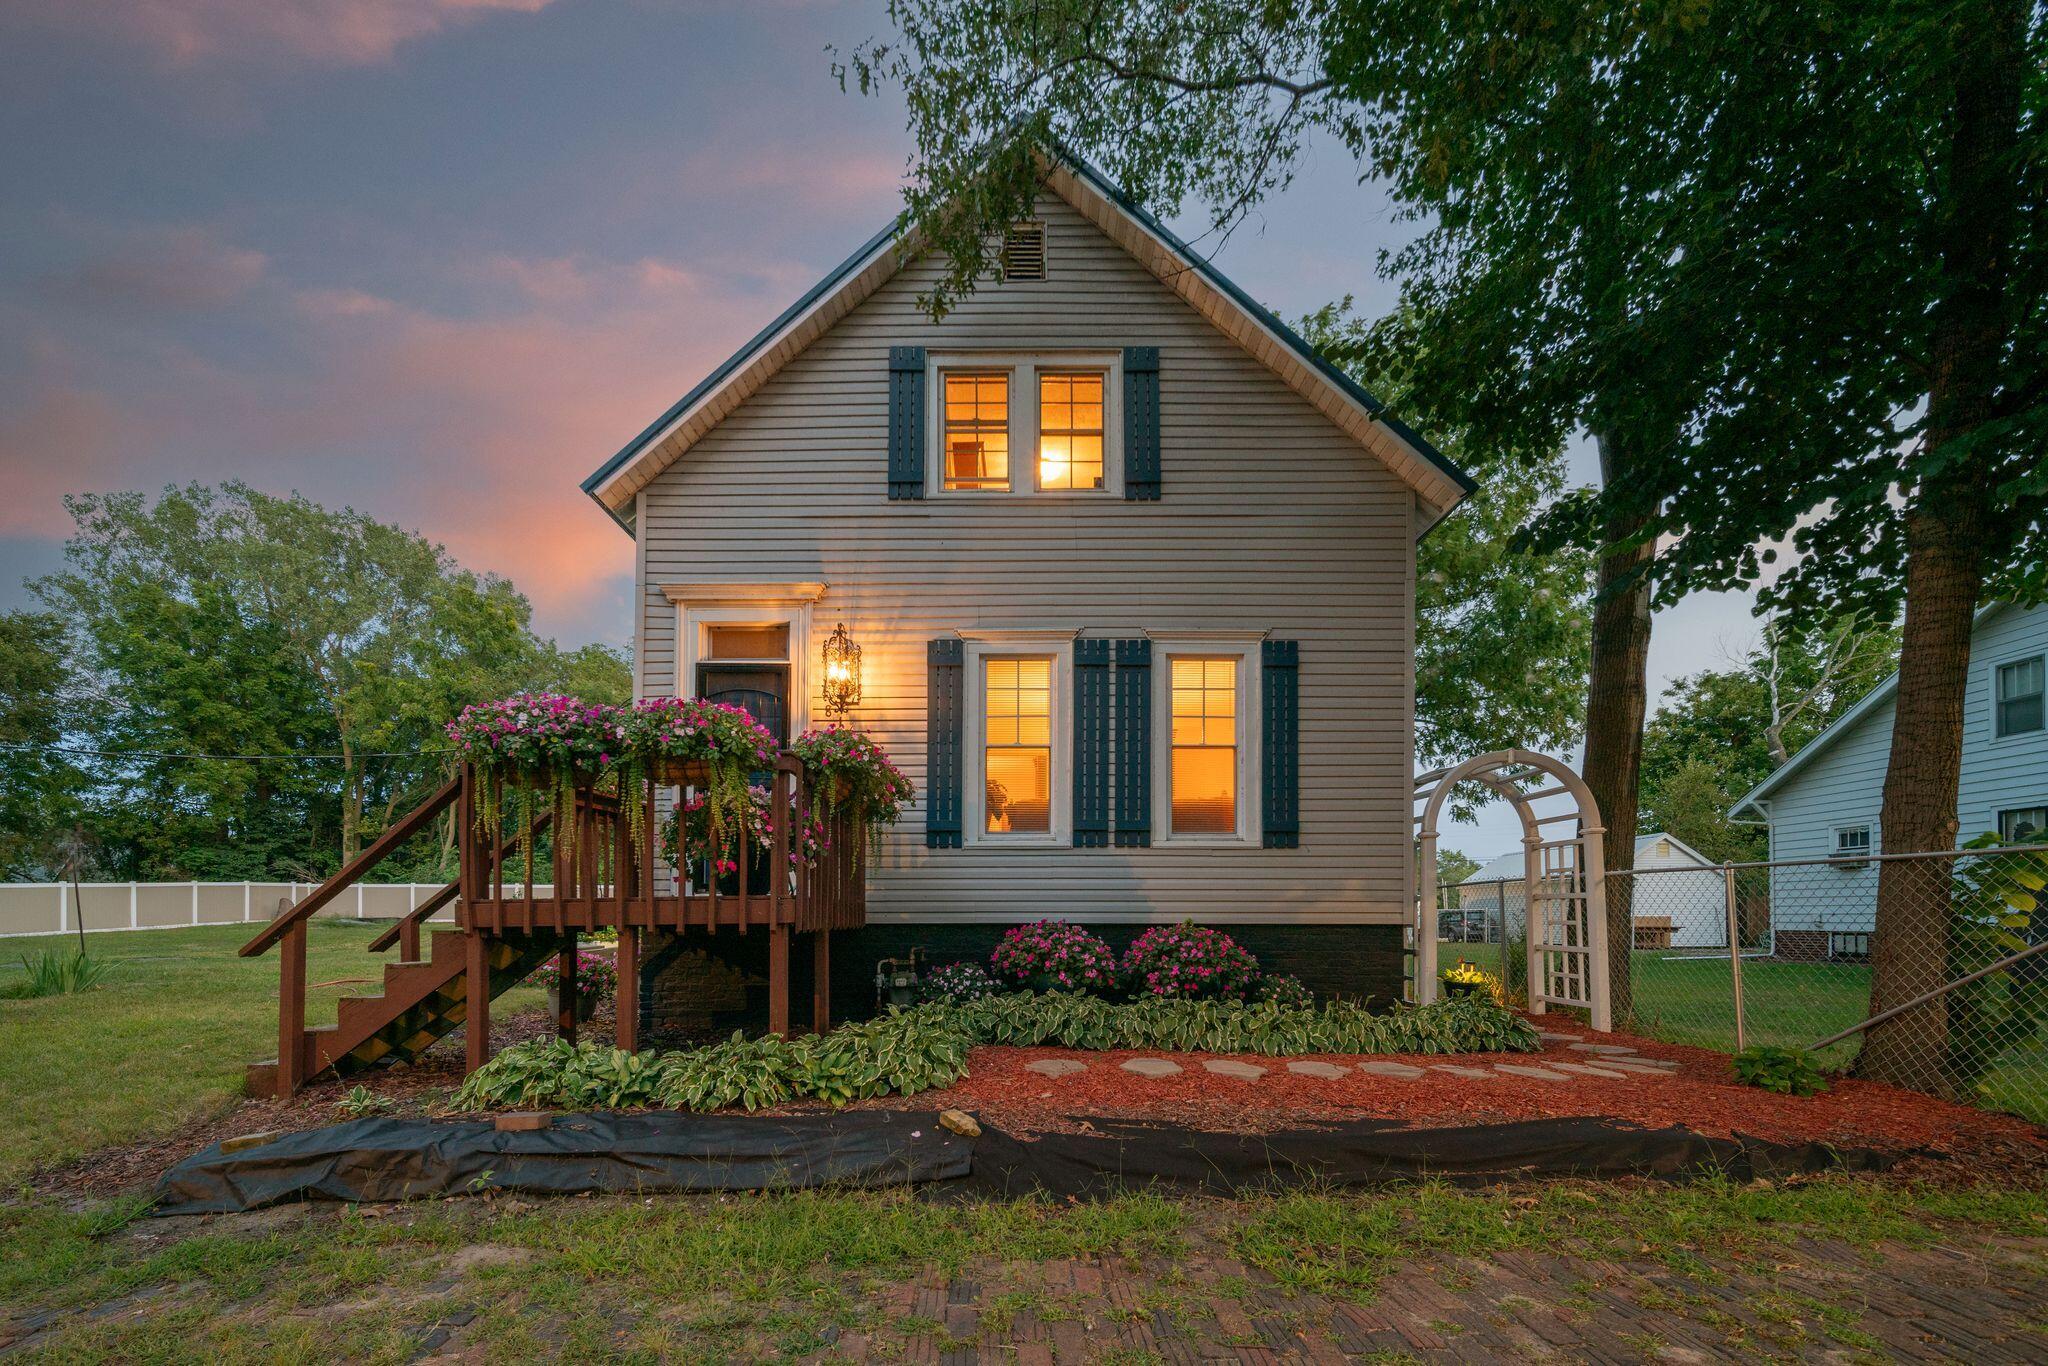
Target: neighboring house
point(1824, 802)
point(1677, 909)
point(1131, 570)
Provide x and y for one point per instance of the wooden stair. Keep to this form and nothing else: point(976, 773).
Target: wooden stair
point(421, 1003)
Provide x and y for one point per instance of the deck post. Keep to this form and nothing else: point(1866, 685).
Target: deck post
point(477, 1020)
point(291, 1012)
point(778, 980)
point(409, 939)
point(821, 982)
point(627, 999)
point(566, 987)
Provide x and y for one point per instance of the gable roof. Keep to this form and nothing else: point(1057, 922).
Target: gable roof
point(1437, 482)
point(1508, 867)
point(1842, 725)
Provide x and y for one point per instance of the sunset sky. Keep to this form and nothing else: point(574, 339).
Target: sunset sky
point(438, 259)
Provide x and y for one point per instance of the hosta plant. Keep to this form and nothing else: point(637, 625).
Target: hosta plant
point(1053, 955)
point(1788, 1071)
point(1188, 960)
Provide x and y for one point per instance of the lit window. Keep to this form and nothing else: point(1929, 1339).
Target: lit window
point(1069, 431)
point(2022, 691)
point(977, 431)
point(1203, 762)
point(2022, 823)
point(1017, 759)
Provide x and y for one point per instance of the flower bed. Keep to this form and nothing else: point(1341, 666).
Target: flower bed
point(1053, 955)
point(1188, 960)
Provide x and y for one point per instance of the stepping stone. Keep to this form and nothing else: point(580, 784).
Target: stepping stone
point(1641, 1065)
point(1580, 1069)
point(1540, 1073)
point(1151, 1067)
point(1607, 1050)
point(1475, 1073)
point(1329, 1071)
point(1225, 1067)
point(1550, 1036)
point(1056, 1067)
point(1390, 1069)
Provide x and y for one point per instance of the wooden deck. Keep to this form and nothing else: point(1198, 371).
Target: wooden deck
point(609, 876)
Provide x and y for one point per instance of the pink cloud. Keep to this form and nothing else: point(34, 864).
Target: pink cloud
point(164, 269)
point(337, 32)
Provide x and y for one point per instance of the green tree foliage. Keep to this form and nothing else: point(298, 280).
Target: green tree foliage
point(39, 785)
point(1720, 732)
point(226, 622)
point(1501, 628)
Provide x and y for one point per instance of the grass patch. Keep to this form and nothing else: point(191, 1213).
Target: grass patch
point(161, 1040)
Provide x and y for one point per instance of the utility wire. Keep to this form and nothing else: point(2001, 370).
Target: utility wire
point(20, 747)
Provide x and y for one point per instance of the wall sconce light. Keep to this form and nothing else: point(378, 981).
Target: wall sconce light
point(842, 672)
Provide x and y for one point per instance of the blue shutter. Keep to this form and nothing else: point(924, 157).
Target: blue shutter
point(1280, 744)
point(945, 708)
point(1141, 424)
point(1091, 744)
point(1133, 743)
point(906, 422)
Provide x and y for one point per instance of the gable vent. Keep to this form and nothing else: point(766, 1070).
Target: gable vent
point(1024, 252)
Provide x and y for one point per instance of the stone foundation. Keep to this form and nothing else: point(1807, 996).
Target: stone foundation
point(699, 985)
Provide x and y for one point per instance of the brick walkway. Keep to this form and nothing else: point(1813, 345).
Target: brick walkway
point(1822, 1302)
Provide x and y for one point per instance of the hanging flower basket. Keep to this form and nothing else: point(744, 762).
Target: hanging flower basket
point(533, 743)
point(846, 770)
point(689, 742)
point(687, 836)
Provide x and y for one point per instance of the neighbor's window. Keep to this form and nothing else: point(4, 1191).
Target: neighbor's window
point(1017, 759)
point(2021, 823)
point(2022, 691)
point(1852, 841)
point(977, 431)
point(1203, 761)
point(1069, 431)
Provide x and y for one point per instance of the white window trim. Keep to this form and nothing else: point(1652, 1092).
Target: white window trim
point(1991, 686)
point(1244, 648)
point(1059, 647)
point(1999, 814)
point(699, 607)
point(1022, 367)
point(1835, 832)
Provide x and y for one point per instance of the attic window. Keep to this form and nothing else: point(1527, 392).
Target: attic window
point(1024, 252)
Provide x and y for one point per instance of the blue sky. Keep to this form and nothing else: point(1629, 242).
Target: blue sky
point(437, 259)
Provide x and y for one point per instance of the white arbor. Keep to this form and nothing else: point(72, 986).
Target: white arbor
point(1564, 877)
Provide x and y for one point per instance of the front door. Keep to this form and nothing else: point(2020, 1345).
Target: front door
point(762, 689)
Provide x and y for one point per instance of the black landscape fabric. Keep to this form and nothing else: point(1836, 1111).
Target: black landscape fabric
point(375, 1160)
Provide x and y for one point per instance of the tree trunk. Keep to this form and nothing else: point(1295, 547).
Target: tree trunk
point(1616, 698)
point(1945, 526)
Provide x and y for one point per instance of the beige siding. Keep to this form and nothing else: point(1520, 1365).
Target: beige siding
point(1272, 520)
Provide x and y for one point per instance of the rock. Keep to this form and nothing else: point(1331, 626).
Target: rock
point(1226, 1067)
point(1643, 1066)
point(522, 1121)
point(1329, 1071)
point(244, 1142)
point(1514, 1069)
point(1471, 1073)
point(1604, 1049)
point(1580, 1069)
point(1056, 1067)
point(1550, 1036)
point(960, 1122)
point(1151, 1067)
point(1390, 1069)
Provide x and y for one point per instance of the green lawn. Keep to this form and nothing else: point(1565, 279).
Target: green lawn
point(161, 1040)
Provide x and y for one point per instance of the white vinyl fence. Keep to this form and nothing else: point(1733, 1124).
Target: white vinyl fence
point(55, 908)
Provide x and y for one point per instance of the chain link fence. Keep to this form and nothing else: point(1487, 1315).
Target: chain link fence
point(1788, 953)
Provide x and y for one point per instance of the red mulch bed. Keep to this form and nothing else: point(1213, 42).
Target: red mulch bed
point(1701, 1095)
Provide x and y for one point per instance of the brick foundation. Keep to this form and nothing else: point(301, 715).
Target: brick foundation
point(698, 985)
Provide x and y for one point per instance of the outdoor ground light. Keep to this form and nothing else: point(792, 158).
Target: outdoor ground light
point(842, 672)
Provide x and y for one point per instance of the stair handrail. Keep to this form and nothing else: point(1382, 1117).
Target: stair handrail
point(353, 871)
point(408, 925)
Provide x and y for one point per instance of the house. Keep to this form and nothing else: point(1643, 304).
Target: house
point(1131, 572)
point(1674, 906)
point(1824, 802)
